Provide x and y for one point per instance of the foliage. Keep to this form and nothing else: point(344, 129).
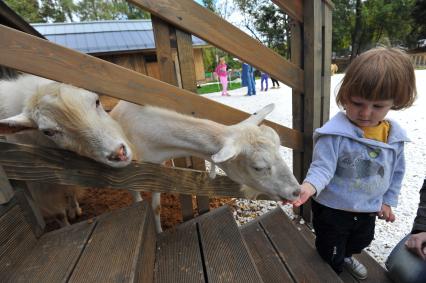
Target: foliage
point(27, 9)
point(34, 11)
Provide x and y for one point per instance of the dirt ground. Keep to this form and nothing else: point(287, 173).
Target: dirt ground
point(95, 201)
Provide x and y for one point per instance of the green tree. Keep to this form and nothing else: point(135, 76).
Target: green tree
point(57, 10)
point(95, 10)
point(27, 9)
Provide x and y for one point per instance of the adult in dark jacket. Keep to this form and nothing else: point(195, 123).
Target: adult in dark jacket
point(407, 261)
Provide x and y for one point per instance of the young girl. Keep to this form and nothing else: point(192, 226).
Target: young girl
point(223, 76)
point(358, 160)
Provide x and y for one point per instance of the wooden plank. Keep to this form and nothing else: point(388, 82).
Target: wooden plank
point(162, 34)
point(29, 207)
point(326, 56)
point(302, 260)
point(312, 67)
point(195, 19)
point(178, 256)
point(226, 256)
point(292, 8)
point(185, 54)
point(55, 255)
point(6, 190)
point(30, 163)
point(268, 262)
point(145, 266)
point(297, 103)
point(16, 240)
point(185, 200)
point(40, 57)
point(113, 250)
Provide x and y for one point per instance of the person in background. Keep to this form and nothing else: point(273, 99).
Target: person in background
point(222, 73)
point(247, 79)
point(264, 79)
point(274, 81)
point(407, 261)
point(358, 161)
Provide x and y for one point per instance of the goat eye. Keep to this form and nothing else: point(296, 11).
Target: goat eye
point(97, 102)
point(49, 133)
point(258, 169)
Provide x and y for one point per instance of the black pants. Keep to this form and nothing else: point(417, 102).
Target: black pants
point(274, 81)
point(341, 234)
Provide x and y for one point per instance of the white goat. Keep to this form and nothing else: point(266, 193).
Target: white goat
point(41, 112)
point(248, 153)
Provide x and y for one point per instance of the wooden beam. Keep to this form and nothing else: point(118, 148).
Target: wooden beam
point(40, 57)
point(195, 19)
point(292, 8)
point(38, 164)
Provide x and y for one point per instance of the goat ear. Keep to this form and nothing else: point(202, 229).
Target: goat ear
point(16, 124)
point(226, 153)
point(257, 117)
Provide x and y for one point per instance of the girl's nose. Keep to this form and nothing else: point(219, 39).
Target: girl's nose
point(365, 112)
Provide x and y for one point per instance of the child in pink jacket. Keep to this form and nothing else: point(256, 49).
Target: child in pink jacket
point(223, 76)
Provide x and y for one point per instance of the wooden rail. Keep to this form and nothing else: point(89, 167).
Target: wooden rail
point(40, 164)
point(40, 57)
point(195, 19)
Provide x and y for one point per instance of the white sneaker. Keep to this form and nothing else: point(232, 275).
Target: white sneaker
point(356, 268)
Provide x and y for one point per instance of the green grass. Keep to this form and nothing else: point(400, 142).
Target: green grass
point(216, 87)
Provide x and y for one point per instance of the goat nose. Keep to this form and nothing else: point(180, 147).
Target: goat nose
point(120, 154)
point(296, 193)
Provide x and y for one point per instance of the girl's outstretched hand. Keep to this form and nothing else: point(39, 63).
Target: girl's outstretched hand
point(386, 213)
point(306, 191)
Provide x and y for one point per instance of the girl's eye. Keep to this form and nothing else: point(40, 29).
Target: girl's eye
point(49, 133)
point(97, 103)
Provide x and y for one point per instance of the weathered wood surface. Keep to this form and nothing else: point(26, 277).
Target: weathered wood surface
point(6, 190)
point(16, 238)
point(37, 164)
point(290, 251)
point(115, 247)
point(195, 19)
point(40, 57)
point(215, 242)
point(113, 251)
point(293, 8)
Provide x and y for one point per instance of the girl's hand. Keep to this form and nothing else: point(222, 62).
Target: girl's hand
point(416, 244)
point(306, 191)
point(386, 213)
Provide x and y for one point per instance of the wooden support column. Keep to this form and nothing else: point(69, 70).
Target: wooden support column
point(297, 98)
point(189, 82)
point(163, 33)
point(312, 110)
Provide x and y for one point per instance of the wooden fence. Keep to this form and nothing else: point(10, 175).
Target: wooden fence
point(307, 72)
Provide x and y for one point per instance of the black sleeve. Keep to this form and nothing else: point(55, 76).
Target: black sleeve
point(420, 220)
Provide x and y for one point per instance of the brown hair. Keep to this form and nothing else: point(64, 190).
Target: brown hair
point(380, 74)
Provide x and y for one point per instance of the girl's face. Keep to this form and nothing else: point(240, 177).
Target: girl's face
point(366, 113)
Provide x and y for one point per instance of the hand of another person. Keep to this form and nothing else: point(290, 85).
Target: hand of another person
point(386, 213)
point(306, 191)
point(416, 244)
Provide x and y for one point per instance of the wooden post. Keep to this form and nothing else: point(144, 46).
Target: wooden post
point(312, 110)
point(189, 82)
point(297, 98)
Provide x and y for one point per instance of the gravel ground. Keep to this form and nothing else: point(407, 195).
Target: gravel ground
point(412, 119)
